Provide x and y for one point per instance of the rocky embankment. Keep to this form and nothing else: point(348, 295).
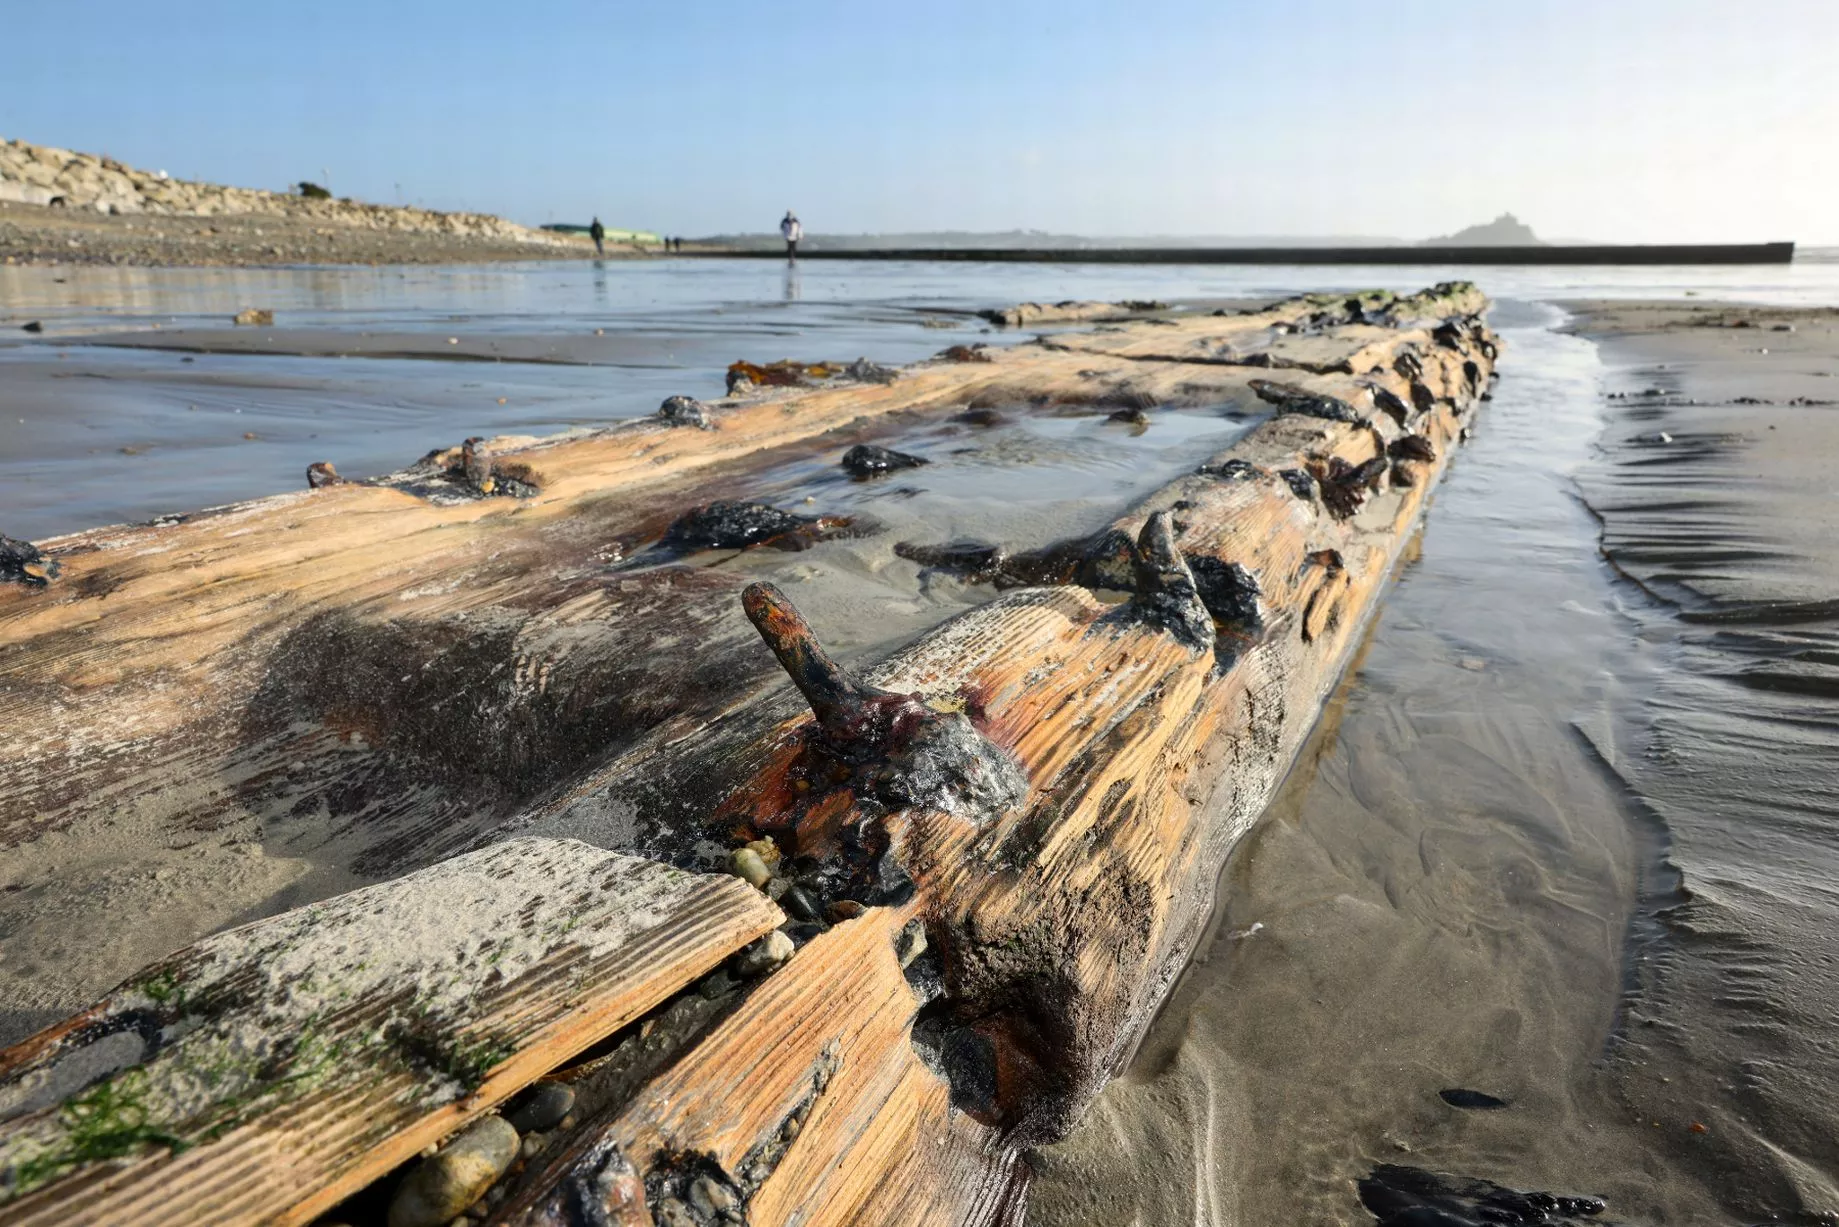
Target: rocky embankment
point(56, 205)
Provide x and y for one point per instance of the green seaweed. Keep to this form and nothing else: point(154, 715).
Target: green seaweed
point(165, 990)
point(427, 1042)
point(108, 1121)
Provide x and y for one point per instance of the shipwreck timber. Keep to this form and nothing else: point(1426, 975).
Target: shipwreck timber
point(895, 933)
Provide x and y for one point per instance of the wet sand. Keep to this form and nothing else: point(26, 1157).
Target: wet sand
point(1556, 843)
point(1719, 499)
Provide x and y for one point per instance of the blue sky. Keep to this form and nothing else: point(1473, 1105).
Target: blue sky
point(1611, 119)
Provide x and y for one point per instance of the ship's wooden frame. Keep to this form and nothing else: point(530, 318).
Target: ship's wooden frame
point(1015, 822)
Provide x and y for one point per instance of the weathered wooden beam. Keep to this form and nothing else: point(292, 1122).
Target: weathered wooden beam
point(804, 1106)
point(1014, 823)
point(267, 1072)
point(391, 669)
point(141, 663)
point(1147, 736)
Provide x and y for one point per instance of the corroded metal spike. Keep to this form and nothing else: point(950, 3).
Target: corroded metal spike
point(852, 714)
point(823, 682)
point(897, 749)
point(1165, 590)
point(1159, 565)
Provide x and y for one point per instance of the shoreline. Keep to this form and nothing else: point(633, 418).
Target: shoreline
point(1464, 886)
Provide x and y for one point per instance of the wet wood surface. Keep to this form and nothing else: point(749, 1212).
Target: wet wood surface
point(267, 1072)
point(1056, 925)
point(1013, 825)
point(245, 662)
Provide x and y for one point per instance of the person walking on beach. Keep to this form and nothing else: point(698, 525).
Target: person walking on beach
point(792, 231)
point(598, 233)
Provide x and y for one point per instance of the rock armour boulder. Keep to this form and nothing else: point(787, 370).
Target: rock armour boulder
point(45, 175)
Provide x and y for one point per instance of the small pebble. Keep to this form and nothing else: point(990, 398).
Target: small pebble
point(767, 850)
point(440, 1188)
point(911, 943)
point(540, 1106)
point(709, 1197)
point(844, 909)
point(800, 904)
point(762, 956)
point(669, 1212)
point(747, 865)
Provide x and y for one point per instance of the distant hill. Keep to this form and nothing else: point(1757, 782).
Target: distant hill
point(1504, 231)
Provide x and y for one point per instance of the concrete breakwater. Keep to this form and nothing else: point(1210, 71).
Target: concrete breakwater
point(45, 175)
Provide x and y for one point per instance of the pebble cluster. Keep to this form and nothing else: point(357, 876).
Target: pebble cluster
point(461, 1181)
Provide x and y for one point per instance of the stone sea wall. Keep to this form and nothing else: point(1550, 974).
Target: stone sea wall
point(44, 175)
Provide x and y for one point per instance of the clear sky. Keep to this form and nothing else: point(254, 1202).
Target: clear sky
point(1633, 120)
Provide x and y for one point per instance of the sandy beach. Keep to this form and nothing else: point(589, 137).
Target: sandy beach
point(1566, 840)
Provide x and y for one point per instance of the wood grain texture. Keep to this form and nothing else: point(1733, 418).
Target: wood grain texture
point(1057, 915)
point(296, 663)
point(267, 1072)
point(1057, 925)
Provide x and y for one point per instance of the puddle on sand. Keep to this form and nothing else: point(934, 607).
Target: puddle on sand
point(1440, 897)
point(1031, 480)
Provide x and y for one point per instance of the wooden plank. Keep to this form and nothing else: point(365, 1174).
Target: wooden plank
point(811, 1095)
point(267, 1072)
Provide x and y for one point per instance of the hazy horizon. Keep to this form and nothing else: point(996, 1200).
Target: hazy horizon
point(1649, 122)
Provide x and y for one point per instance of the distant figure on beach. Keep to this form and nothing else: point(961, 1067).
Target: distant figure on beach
point(792, 231)
point(598, 233)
